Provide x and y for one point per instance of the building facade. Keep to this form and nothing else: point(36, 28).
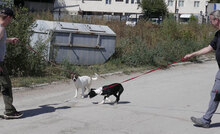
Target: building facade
point(124, 7)
point(100, 7)
point(194, 7)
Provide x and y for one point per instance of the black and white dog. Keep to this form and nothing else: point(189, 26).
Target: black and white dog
point(83, 82)
point(115, 89)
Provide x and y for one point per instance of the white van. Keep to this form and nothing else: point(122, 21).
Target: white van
point(133, 19)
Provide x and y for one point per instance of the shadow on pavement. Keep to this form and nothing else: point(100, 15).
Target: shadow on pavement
point(111, 103)
point(211, 126)
point(123, 102)
point(215, 125)
point(41, 110)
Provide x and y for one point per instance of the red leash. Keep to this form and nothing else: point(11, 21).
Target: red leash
point(30, 48)
point(183, 59)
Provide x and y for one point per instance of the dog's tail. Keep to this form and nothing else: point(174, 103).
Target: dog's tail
point(95, 77)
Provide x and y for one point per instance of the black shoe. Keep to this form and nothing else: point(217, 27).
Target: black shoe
point(14, 115)
point(198, 122)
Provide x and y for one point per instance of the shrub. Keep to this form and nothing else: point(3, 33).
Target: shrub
point(20, 60)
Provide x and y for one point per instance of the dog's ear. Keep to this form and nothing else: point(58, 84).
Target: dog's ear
point(71, 75)
point(76, 76)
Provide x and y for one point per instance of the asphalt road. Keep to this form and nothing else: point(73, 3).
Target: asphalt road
point(161, 102)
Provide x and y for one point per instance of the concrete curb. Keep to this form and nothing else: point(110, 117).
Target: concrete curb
point(34, 86)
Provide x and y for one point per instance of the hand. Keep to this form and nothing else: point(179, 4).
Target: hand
point(14, 40)
point(188, 56)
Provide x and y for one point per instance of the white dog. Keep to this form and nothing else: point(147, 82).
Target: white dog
point(83, 82)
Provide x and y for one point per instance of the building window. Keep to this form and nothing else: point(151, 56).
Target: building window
point(126, 1)
point(138, 1)
point(108, 1)
point(170, 2)
point(132, 1)
point(196, 3)
point(118, 0)
point(181, 3)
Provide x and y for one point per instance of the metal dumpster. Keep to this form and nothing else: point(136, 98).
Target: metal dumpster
point(80, 44)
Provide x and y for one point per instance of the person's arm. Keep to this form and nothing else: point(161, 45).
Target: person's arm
point(205, 50)
point(1, 32)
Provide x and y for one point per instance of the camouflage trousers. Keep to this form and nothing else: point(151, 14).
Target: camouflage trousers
point(6, 90)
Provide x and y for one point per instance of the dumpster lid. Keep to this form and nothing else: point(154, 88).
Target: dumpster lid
point(69, 26)
point(95, 28)
point(56, 26)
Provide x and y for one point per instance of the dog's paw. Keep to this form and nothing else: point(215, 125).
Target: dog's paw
point(108, 100)
point(115, 103)
point(86, 96)
point(102, 102)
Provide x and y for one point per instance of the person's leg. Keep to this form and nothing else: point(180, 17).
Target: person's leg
point(6, 90)
point(206, 119)
point(8, 100)
point(213, 105)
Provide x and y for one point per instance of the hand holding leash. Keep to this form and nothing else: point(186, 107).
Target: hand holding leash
point(12, 40)
point(15, 40)
point(188, 56)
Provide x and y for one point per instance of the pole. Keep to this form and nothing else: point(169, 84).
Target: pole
point(176, 12)
point(175, 6)
point(206, 11)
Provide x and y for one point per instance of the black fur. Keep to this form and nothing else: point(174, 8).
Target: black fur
point(92, 93)
point(115, 89)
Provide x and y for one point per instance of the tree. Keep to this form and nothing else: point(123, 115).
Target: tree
point(214, 1)
point(154, 8)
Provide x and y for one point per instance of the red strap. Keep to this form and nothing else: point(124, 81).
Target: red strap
point(110, 86)
point(183, 59)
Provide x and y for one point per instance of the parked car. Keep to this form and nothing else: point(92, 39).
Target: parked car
point(133, 19)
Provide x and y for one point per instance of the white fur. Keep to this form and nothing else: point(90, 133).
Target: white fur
point(98, 90)
point(83, 82)
point(103, 101)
